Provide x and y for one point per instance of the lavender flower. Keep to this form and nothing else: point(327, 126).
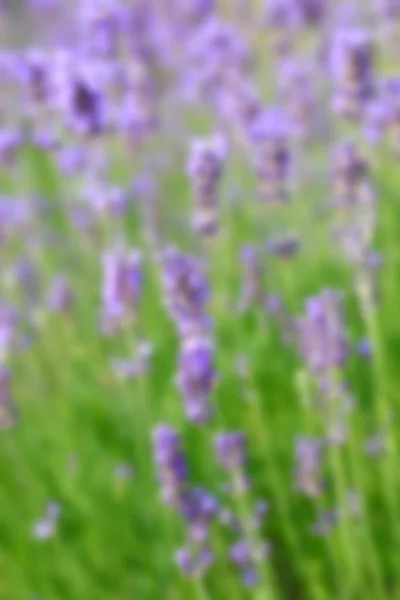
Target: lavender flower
point(9, 320)
point(122, 287)
point(35, 74)
point(284, 247)
point(46, 527)
point(296, 89)
point(139, 111)
point(102, 23)
point(60, 297)
point(171, 464)
point(393, 125)
point(11, 142)
point(199, 508)
point(387, 9)
point(205, 169)
point(252, 291)
point(231, 450)
point(217, 52)
point(186, 292)
point(353, 70)
point(323, 340)
point(308, 459)
point(136, 366)
point(8, 413)
point(196, 377)
point(246, 555)
point(79, 95)
point(349, 171)
point(194, 565)
point(376, 119)
point(270, 136)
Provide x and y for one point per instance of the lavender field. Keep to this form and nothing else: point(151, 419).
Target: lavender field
point(200, 300)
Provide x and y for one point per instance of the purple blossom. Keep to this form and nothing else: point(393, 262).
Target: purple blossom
point(376, 119)
point(11, 142)
point(217, 52)
point(122, 286)
point(284, 247)
point(199, 508)
point(231, 451)
point(204, 168)
point(352, 63)
point(101, 22)
point(47, 526)
point(79, 94)
point(298, 94)
point(387, 9)
point(323, 340)
point(349, 171)
point(186, 292)
point(252, 288)
point(284, 14)
point(270, 135)
point(196, 377)
point(9, 321)
point(8, 412)
point(194, 565)
point(171, 465)
point(245, 554)
point(308, 466)
point(138, 111)
point(60, 297)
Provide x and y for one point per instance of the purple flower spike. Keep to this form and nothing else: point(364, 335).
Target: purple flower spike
point(388, 9)
point(194, 564)
point(199, 509)
point(8, 412)
point(352, 63)
point(308, 458)
point(252, 290)
point(270, 134)
point(196, 377)
point(171, 464)
point(231, 450)
point(10, 143)
point(376, 119)
point(349, 169)
point(323, 339)
point(205, 169)
point(298, 94)
point(245, 554)
point(122, 287)
point(60, 298)
point(186, 293)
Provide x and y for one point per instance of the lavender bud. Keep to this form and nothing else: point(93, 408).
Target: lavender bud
point(186, 293)
point(308, 459)
point(171, 465)
point(323, 341)
point(270, 136)
point(122, 286)
point(60, 298)
point(231, 451)
point(205, 169)
point(199, 509)
point(252, 290)
point(196, 377)
point(295, 85)
point(353, 71)
point(349, 170)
